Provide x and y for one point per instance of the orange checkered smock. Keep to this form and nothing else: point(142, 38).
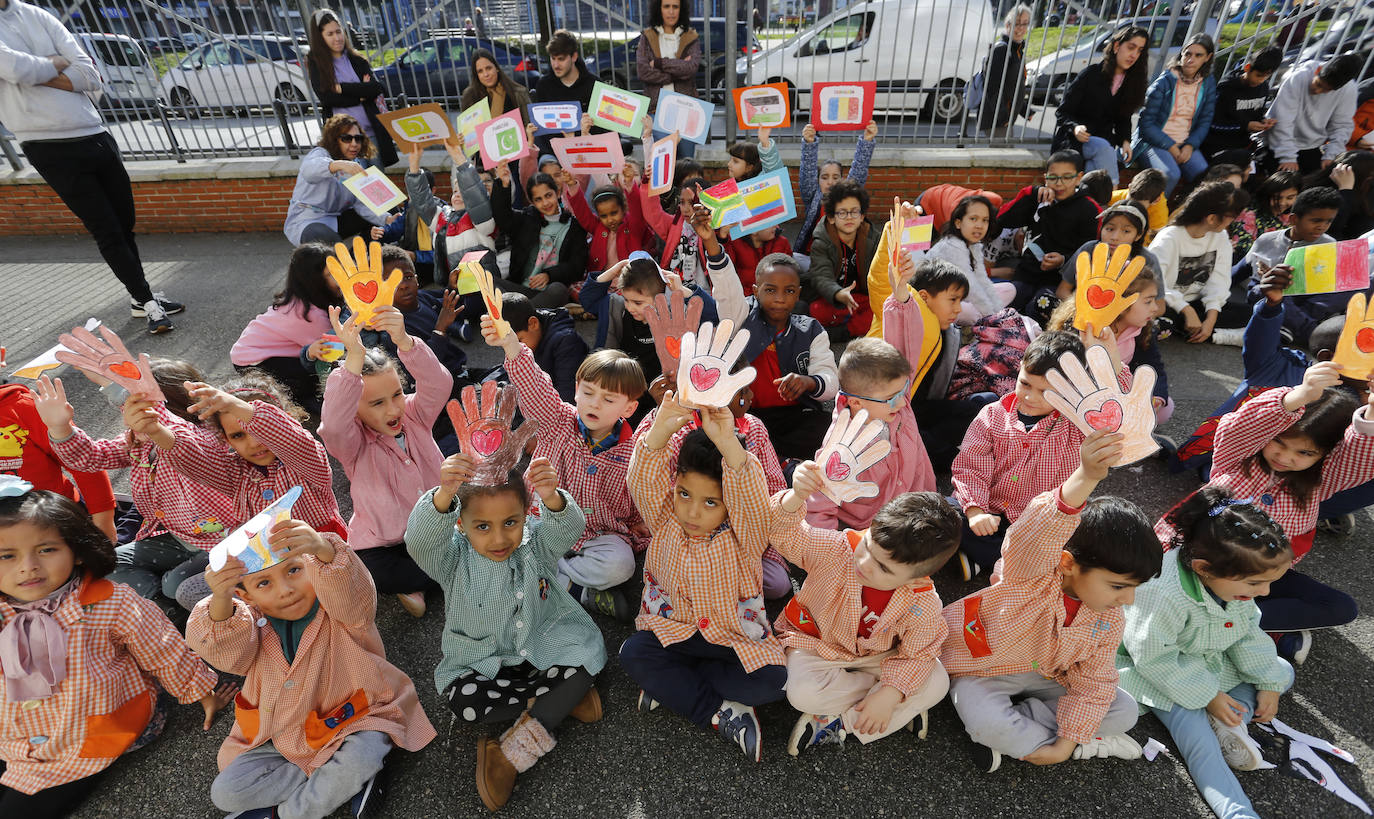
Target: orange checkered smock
point(116, 643)
point(1017, 626)
point(823, 619)
point(696, 584)
point(340, 682)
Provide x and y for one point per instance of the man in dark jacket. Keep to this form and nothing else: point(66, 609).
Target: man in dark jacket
point(568, 81)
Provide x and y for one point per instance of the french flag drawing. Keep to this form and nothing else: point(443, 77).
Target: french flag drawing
point(661, 173)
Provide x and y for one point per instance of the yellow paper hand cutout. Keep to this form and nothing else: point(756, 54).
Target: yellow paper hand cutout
point(490, 295)
point(1355, 350)
point(360, 277)
point(1101, 283)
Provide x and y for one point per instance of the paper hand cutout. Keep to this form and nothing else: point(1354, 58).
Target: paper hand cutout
point(1355, 350)
point(249, 542)
point(109, 359)
point(670, 318)
point(360, 277)
point(483, 425)
point(1101, 283)
point(490, 295)
point(703, 372)
point(851, 446)
point(1096, 401)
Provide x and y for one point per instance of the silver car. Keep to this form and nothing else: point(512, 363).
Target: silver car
point(233, 73)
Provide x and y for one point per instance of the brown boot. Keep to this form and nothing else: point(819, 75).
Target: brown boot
point(495, 774)
point(589, 709)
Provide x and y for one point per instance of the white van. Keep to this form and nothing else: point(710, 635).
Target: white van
point(130, 80)
point(921, 53)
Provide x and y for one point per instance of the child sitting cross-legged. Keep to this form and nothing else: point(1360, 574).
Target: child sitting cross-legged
point(863, 635)
point(516, 645)
point(589, 443)
point(1031, 658)
point(875, 377)
point(321, 707)
point(704, 647)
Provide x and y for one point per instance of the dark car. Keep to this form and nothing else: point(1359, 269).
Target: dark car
point(617, 65)
point(437, 70)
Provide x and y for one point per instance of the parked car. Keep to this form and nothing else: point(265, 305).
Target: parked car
point(437, 69)
point(237, 72)
point(130, 80)
point(617, 65)
point(920, 54)
point(157, 46)
point(1048, 77)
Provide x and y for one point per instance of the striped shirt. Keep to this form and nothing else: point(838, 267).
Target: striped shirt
point(702, 584)
point(1017, 626)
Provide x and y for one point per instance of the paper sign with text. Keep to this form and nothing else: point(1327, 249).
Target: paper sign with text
point(502, 139)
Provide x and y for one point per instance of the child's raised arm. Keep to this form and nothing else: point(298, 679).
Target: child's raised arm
point(534, 389)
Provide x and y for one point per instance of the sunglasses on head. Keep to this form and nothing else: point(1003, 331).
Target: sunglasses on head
point(357, 139)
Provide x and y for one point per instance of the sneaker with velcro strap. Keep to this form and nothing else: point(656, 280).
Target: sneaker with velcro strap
point(816, 729)
point(738, 724)
point(1118, 746)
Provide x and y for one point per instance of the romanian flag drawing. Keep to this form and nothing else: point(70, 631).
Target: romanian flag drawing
point(1334, 267)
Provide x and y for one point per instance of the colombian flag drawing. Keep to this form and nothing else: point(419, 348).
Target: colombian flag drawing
point(725, 203)
point(768, 197)
point(1334, 267)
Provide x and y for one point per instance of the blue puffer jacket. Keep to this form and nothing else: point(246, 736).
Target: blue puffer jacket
point(1159, 103)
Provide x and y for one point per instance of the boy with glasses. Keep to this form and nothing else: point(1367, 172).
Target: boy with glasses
point(1058, 218)
point(836, 286)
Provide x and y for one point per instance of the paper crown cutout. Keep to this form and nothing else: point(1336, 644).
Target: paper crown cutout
point(249, 542)
point(482, 421)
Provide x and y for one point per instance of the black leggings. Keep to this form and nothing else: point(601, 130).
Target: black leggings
point(49, 803)
point(556, 691)
point(303, 384)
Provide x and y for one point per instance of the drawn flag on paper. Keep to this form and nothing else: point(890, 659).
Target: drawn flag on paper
point(1334, 267)
point(916, 235)
point(725, 203)
point(598, 153)
point(617, 109)
point(769, 200)
point(555, 117)
point(662, 158)
point(842, 106)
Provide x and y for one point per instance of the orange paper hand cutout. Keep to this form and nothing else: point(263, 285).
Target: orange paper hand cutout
point(1355, 350)
point(360, 277)
point(1095, 401)
point(1101, 283)
point(109, 359)
point(491, 297)
point(670, 318)
point(482, 422)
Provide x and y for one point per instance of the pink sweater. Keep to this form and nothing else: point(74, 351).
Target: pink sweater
point(384, 479)
point(905, 469)
point(279, 332)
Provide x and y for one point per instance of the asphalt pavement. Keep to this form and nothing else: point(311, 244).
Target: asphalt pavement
point(634, 765)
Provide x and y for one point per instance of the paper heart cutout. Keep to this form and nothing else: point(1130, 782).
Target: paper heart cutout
point(1099, 298)
point(1108, 417)
point(835, 467)
point(125, 369)
point(702, 378)
point(487, 441)
point(673, 345)
point(365, 291)
point(1364, 340)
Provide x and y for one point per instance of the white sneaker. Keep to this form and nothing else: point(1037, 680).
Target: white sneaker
point(1119, 746)
point(157, 318)
point(1240, 751)
point(1229, 338)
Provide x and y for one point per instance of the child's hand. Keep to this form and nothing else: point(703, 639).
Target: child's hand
point(765, 134)
point(807, 480)
point(984, 524)
point(455, 471)
point(1227, 710)
point(223, 694)
point(1318, 377)
point(348, 332)
point(1266, 706)
point(719, 425)
point(586, 124)
point(376, 233)
point(392, 322)
point(1100, 452)
point(503, 174)
point(211, 401)
point(648, 132)
point(50, 399)
point(1045, 195)
point(508, 342)
point(875, 710)
point(1052, 261)
point(1204, 330)
point(448, 312)
point(567, 181)
point(611, 273)
point(296, 537)
point(845, 297)
point(794, 385)
point(222, 584)
point(1275, 281)
point(530, 128)
point(543, 478)
point(809, 133)
point(871, 131)
point(671, 417)
point(140, 417)
point(1060, 750)
point(659, 387)
point(701, 221)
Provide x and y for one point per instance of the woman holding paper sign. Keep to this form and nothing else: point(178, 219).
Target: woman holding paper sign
point(490, 80)
point(669, 55)
point(321, 208)
point(342, 79)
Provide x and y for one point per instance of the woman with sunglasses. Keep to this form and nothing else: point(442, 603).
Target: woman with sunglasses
point(321, 208)
point(343, 82)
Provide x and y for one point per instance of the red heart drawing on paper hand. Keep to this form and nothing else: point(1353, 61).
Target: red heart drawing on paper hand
point(1108, 418)
point(365, 291)
point(1364, 339)
point(673, 345)
point(702, 378)
point(835, 468)
point(1099, 298)
point(487, 441)
point(126, 369)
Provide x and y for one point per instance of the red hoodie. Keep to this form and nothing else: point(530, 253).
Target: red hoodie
point(746, 256)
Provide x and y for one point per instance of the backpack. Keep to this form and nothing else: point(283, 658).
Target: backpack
point(973, 92)
point(991, 361)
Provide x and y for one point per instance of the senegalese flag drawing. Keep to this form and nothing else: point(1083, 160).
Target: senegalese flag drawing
point(1334, 267)
point(725, 203)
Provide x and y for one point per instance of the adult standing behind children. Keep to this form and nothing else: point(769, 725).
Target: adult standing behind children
point(342, 79)
point(1178, 114)
point(669, 55)
point(1314, 113)
point(1004, 73)
point(45, 78)
point(489, 80)
point(1095, 116)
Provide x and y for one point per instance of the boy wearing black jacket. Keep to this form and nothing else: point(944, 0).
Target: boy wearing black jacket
point(1059, 217)
point(1241, 102)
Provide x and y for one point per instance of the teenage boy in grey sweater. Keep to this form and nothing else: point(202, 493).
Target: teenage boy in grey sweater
point(1314, 113)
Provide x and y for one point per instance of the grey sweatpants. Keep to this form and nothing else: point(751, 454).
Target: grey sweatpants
point(263, 778)
point(1015, 714)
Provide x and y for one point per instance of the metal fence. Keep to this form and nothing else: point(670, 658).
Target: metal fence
point(220, 78)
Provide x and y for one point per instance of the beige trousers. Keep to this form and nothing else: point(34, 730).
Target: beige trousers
point(819, 686)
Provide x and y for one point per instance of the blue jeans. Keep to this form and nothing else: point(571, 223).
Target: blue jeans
point(1162, 161)
point(1202, 753)
point(1101, 155)
point(695, 676)
point(1347, 500)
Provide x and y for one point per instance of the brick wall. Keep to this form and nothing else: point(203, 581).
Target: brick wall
point(259, 204)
